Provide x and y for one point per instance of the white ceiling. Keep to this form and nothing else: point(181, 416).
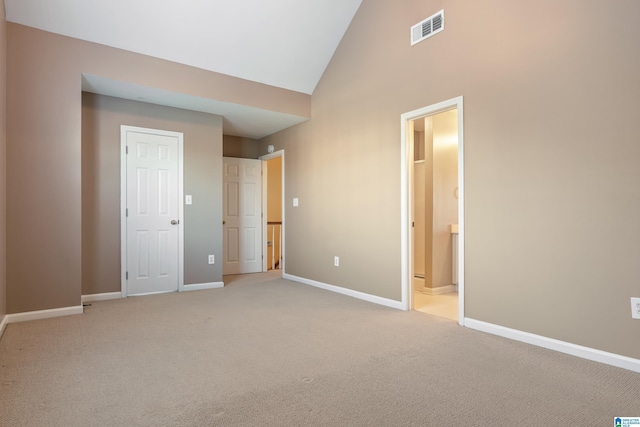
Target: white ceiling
point(283, 43)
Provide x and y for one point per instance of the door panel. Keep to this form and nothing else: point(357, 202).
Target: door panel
point(242, 236)
point(152, 202)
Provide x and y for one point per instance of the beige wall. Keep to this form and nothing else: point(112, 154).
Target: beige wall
point(102, 117)
point(44, 233)
point(237, 146)
point(551, 160)
point(3, 162)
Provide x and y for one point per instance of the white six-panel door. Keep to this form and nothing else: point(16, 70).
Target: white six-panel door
point(242, 216)
point(152, 205)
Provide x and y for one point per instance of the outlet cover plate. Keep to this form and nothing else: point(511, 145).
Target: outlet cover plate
point(336, 261)
point(635, 308)
point(212, 259)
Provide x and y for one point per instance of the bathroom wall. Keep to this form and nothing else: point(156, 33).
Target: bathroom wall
point(445, 202)
point(423, 202)
point(435, 202)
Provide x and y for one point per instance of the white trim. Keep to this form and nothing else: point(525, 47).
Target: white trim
point(151, 293)
point(101, 297)
point(203, 286)
point(3, 324)
point(180, 137)
point(440, 290)
point(279, 153)
point(43, 314)
point(557, 345)
point(406, 200)
point(123, 202)
point(348, 292)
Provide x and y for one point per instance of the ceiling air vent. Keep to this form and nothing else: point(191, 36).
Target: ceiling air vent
point(425, 29)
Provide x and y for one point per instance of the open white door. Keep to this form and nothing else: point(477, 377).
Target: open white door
point(152, 211)
point(242, 216)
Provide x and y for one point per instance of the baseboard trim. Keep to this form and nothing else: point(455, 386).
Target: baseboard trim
point(348, 292)
point(3, 324)
point(557, 345)
point(101, 297)
point(439, 291)
point(43, 314)
point(202, 286)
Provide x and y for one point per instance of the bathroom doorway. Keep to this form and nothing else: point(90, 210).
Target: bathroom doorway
point(433, 154)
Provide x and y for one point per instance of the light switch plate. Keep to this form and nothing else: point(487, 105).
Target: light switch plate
point(187, 199)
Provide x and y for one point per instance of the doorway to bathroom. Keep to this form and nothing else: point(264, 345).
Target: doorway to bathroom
point(433, 210)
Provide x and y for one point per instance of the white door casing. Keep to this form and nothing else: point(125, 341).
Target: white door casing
point(406, 199)
point(152, 230)
point(242, 216)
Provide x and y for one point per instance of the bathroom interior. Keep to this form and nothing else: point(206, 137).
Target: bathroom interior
point(435, 214)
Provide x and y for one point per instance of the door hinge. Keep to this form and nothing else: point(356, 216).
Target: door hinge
point(126, 149)
point(127, 275)
point(126, 212)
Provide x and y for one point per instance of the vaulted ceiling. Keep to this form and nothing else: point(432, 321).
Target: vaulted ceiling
point(282, 43)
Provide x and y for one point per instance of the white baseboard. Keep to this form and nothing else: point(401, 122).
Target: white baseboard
point(553, 344)
point(3, 324)
point(102, 297)
point(344, 291)
point(202, 286)
point(43, 314)
point(439, 291)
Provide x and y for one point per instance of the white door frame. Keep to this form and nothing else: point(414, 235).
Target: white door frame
point(123, 202)
point(406, 199)
point(279, 153)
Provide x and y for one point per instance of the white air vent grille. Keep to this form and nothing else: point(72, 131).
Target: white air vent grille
point(427, 28)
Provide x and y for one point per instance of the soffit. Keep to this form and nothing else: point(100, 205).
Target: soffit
point(282, 43)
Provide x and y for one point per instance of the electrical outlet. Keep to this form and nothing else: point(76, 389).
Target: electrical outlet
point(635, 308)
point(336, 261)
point(295, 201)
point(212, 259)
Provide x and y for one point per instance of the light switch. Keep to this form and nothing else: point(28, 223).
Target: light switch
point(295, 201)
point(187, 199)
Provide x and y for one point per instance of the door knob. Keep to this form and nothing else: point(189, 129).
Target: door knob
point(174, 222)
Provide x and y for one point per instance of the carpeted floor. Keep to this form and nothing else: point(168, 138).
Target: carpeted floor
point(264, 351)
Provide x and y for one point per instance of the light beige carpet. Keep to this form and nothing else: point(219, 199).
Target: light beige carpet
point(268, 352)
